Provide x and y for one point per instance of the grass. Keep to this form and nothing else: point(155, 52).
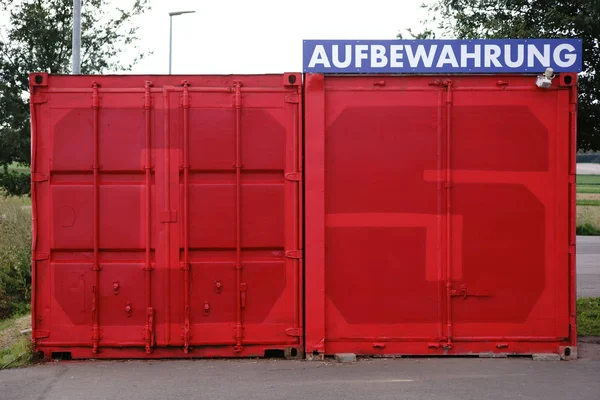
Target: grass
point(5, 323)
point(588, 183)
point(588, 202)
point(588, 188)
point(18, 354)
point(15, 347)
point(588, 216)
point(15, 281)
point(588, 179)
point(588, 316)
point(588, 205)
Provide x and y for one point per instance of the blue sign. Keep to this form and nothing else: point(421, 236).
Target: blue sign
point(442, 56)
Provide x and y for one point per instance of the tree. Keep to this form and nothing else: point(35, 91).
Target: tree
point(38, 38)
point(494, 19)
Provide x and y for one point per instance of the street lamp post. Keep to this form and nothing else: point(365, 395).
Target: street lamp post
point(76, 44)
point(171, 15)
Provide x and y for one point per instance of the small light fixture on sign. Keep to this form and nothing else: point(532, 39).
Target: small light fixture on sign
point(545, 81)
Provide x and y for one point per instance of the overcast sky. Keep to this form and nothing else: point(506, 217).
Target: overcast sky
point(261, 36)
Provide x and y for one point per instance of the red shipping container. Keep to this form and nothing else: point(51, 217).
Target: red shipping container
point(440, 215)
point(167, 215)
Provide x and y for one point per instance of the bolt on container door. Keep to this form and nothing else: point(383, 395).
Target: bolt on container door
point(438, 215)
point(167, 215)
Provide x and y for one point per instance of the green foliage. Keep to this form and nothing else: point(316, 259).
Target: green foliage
point(494, 19)
point(588, 229)
point(15, 183)
point(15, 257)
point(588, 316)
point(38, 39)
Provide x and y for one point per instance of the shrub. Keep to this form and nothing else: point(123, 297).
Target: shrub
point(15, 256)
point(15, 183)
point(588, 230)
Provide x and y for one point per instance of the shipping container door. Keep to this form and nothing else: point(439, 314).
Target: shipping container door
point(94, 206)
point(167, 215)
point(235, 249)
point(509, 154)
point(382, 231)
point(438, 215)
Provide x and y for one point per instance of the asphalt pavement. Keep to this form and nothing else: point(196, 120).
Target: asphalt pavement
point(412, 378)
point(588, 267)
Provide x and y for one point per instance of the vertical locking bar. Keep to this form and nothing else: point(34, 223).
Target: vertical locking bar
point(186, 167)
point(34, 215)
point(238, 249)
point(440, 213)
point(448, 185)
point(149, 330)
point(314, 267)
point(573, 212)
point(296, 233)
point(167, 204)
point(96, 225)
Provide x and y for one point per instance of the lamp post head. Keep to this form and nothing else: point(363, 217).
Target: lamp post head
point(174, 13)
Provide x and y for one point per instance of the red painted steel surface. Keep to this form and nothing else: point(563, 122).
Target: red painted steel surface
point(167, 215)
point(439, 215)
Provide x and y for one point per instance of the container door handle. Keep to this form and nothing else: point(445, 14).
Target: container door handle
point(243, 288)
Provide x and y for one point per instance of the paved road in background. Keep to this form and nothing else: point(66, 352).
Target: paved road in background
point(407, 379)
point(588, 267)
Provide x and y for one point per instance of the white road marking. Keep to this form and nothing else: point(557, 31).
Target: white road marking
point(373, 381)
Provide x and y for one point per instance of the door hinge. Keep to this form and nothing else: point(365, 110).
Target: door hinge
point(39, 177)
point(168, 216)
point(39, 99)
point(572, 249)
point(294, 99)
point(572, 178)
point(293, 332)
point(40, 256)
point(238, 331)
point(296, 254)
point(149, 329)
point(40, 334)
point(293, 176)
